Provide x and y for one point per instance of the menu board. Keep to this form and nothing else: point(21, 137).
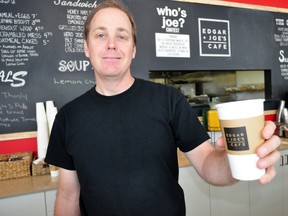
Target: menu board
point(281, 39)
point(42, 58)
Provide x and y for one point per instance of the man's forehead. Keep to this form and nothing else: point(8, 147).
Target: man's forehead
point(111, 18)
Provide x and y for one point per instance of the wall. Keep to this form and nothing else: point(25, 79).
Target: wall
point(278, 4)
point(267, 5)
point(252, 42)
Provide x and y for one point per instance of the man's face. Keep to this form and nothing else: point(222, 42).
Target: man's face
point(110, 44)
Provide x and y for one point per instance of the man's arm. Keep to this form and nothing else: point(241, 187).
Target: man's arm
point(67, 199)
point(213, 166)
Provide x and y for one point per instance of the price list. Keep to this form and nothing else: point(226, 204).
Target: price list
point(41, 57)
point(281, 38)
point(20, 35)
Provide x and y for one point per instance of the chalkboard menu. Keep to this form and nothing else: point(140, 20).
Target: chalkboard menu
point(41, 46)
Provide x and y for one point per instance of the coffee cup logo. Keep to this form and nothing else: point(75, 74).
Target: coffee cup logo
point(242, 136)
point(236, 139)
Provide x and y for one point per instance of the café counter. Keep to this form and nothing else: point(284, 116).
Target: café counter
point(34, 184)
point(27, 185)
point(28, 196)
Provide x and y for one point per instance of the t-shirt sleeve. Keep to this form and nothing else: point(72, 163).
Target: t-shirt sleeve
point(189, 131)
point(57, 152)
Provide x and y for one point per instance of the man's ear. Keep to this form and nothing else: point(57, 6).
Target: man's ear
point(86, 49)
point(134, 52)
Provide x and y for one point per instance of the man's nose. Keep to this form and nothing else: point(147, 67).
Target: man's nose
point(111, 44)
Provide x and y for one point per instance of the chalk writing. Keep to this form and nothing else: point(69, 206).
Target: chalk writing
point(76, 4)
point(16, 79)
point(73, 82)
point(19, 36)
point(7, 1)
point(13, 111)
point(72, 66)
point(281, 38)
point(73, 30)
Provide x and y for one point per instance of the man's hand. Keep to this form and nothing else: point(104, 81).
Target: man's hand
point(267, 152)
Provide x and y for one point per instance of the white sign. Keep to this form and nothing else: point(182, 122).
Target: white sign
point(172, 45)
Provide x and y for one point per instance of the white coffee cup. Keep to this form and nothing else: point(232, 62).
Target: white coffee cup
point(241, 125)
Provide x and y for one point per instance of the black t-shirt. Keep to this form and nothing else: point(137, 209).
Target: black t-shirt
point(124, 149)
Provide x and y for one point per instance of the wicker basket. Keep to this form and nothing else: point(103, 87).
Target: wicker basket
point(40, 169)
point(15, 165)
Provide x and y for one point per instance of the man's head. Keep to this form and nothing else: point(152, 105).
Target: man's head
point(110, 4)
point(110, 40)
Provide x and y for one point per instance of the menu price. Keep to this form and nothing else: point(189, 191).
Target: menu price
point(20, 34)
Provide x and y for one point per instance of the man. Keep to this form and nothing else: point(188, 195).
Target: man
point(116, 145)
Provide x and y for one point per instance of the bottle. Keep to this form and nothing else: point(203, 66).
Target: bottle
point(212, 116)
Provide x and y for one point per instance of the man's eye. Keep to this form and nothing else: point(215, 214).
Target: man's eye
point(100, 36)
point(121, 37)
